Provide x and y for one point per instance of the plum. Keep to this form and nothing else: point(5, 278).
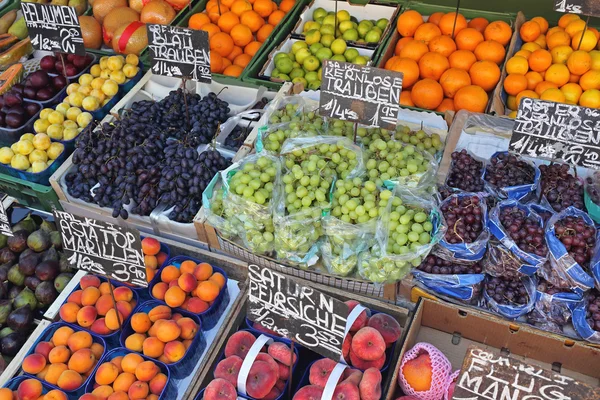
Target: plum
point(71, 70)
point(39, 79)
point(31, 109)
point(59, 82)
point(14, 120)
point(47, 63)
point(29, 92)
point(45, 94)
point(12, 99)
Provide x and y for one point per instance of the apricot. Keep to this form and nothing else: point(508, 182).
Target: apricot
point(44, 348)
point(169, 330)
point(203, 271)
point(124, 308)
point(163, 359)
point(159, 312)
point(159, 290)
point(146, 370)
point(42, 374)
point(187, 282)
point(188, 328)
point(86, 316)
point(173, 283)
point(124, 382)
point(176, 317)
point(187, 266)
point(135, 342)
point(106, 373)
point(207, 291)
point(34, 363)
point(29, 389)
point(68, 312)
point(54, 372)
point(90, 396)
point(113, 319)
point(196, 306)
point(158, 383)
point(88, 281)
point(153, 347)
point(219, 279)
point(69, 380)
point(174, 351)
point(138, 390)
point(55, 395)
point(161, 258)
point(82, 361)
point(90, 296)
point(187, 343)
point(103, 391)
point(97, 349)
point(59, 354)
point(117, 361)
point(130, 362)
point(175, 296)
point(150, 246)
point(140, 322)
point(154, 328)
point(99, 327)
point(169, 273)
point(91, 370)
point(80, 340)
point(6, 394)
point(61, 336)
point(104, 303)
point(151, 263)
point(123, 293)
point(105, 288)
point(152, 397)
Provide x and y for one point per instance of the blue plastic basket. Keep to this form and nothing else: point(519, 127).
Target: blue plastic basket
point(14, 383)
point(8, 136)
point(121, 351)
point(192, 354)
point(47, 336)
point(211, 316)
point(43, 177)
point(111, 339)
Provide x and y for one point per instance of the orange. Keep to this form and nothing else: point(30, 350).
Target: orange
point(239, 6)
point(228, 3)
point(579, 62)
point(405, 99)
point(226, 63)
point(485, 74)
point(468, 39)
point(479, 24)
point(557, 38)
point(242, 60)
point(414, 50)
point(595, 31)
point(590, 98)
point(531, 47)
point(533, 78)
point(432, 66)
point(588, 43)
point(264, 8)
point(543, 86)
point(263, 33)
point(251, 48)
point(523, 53)
point(590, 80)
point(409, 68)
point(445, 105)
point(408, 22)
point(575, 26)
point(574, 78)
point(391, 62)
point(401, 43)
point(211, 28)
point(553, 95)
point(572, 92)
point(231, 56)
point(435, 17)
point(540, 60)
point(286, 5)
point(209, 290)
point(426, 32)
point(490, 50)
point(499, 31)
point(198, 20)
point(215, 12)
point(530, 31)
point(560, 54)
point(454, 79)
point(462, 59)
point(252, 20)
point(515, 83)
point(557, 73)
point(541, 21)
point(471, 98)
point(222, 43)
point(541, 40)
point(427, 94)
point(228, 21)
point(553, 30)
point(525, 93)
point(241, 35)
point(517, 65)
point(275, 17)
point(443, 45)
point(449, 27)
point(233, 70)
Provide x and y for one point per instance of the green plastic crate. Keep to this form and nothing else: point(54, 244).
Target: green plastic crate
point(33, 195)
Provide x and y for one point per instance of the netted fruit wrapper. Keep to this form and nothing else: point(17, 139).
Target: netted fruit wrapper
point(407, 230)
point(212, 201)
point(583, 317)
point(249, 186)
point(565, 272)
point(440, 370)
point(517, 192)
point(451, 379)
point(514, 310)
point(552, 310)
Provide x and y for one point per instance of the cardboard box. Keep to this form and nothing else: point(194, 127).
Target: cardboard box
point(452, 329)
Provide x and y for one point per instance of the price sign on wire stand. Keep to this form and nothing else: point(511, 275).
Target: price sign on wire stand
point(102, 248)
point(557, 132)
point(585, 7)
point(53, 28)
point(299, 313)
point(5, 228)
point(179, 52)
point(366, 95)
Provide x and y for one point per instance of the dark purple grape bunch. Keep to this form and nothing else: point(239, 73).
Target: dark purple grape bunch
point(524, 230)
point(465, 172)
point(506, 170)
point(560, 187)
point(593, 188)
point(436, 265)
point(593, 309)
point(578, 238)
point(506, 291)
point(464, 217)
point(546, 287)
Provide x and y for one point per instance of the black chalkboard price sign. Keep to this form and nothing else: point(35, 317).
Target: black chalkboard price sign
point(557, 132)
point(367, 95)
point(300, 313)
point(53, 28)
point(102, 248)
point(585, 7)
point(179, 52)
point(5, 228)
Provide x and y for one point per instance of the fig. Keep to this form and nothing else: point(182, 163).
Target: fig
point(48, 226)
point(4, 268)
point(25, 298)
point(32, 282)
point(14, 120)
point(39, 241)
point(18, 242)
point(47, 270)
point(51, 255)
point(45, 293)
point(3, 240)
point(27, 264)
point(65, 265)
point(20, 319)
point(25, 254)
point(56, 240)
point(62, 281)
point(14, 292)
point(27, 224)
point(7, 256)
point(11, 344)
point(5, 309)
point(15, 276)
point(5, 332)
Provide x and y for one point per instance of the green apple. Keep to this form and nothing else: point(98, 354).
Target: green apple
point(351, 54)
point(311, 63)
point(297, 72)
point(301, 80)
point(326, 40)
point(361, 60)
point(312, 36)
point(345, 25)
point(298, 45)
point(350, 35)
point(339, 57)
point(311, 76)
point(315, 47)
point(324, 54)
point(373, 36)
point(329, 19)
point(343, 15)
point(338, 46)
point(364, 27)
point(275, 72)
point(284, 77)
point(327, 29)
point(280, 56)
point(301, 55)
point(319, 71)
point(377, 29)
point(382, 23)
point(314, 85)
point(318, 13)
point(310, 25)
point(319, 20)
point(284, 65)
point(292, 56)
point(295, 65)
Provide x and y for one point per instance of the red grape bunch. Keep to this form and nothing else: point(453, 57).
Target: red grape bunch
point(593, 309)
point(578, 238)
point(561, 188)
point(524, 231)
point(436, 265)
point(507, 291)
point(465, 172)
point(509, 170)
point(464, 216)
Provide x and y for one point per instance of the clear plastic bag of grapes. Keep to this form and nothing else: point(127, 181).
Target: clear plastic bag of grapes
point(559, 189)
point(586, 317)
point(553, 307)
point(545, 212)
point(508, 176)
point(212, 201)
point(466, 172)
point(465, 217)
point(521, 231)
point(285, 109)
point(572, 241)
point(339, 153)
point(407, 229)
point(270, 138)
point(249, 186)
point(510, 297)
point(234, 131)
